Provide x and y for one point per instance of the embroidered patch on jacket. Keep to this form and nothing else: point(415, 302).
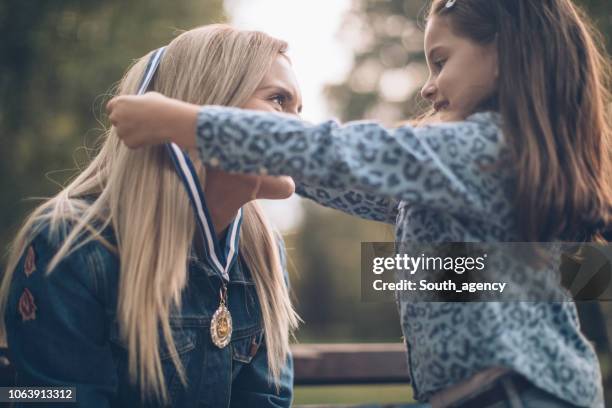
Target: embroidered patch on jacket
point(254, 348)
point(27, 307)
point(30, 261)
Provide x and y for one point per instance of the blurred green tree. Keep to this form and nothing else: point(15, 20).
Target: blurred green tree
point(325, 270)
point(59, 60)
point(388, 65)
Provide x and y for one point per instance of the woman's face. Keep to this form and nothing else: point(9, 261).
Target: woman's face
point(462, 73)
point(277, 92)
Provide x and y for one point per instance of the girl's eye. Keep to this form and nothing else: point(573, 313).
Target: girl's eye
point(439, 64)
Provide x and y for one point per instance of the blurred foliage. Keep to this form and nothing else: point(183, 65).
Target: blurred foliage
point(388, 64)
point(325, 267)
point(59, 60)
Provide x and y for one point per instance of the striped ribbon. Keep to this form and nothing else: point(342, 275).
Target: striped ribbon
point(221, 259)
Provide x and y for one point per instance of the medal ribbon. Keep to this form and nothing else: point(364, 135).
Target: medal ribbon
point(221, 259)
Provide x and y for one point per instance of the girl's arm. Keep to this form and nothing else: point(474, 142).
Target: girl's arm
point(362, 205)
point(152, 118)
point(442, 167)
point(449, 167)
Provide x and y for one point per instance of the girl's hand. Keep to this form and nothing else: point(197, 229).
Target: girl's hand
point(150, 119)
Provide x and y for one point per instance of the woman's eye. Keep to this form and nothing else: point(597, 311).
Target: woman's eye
point(280, 100)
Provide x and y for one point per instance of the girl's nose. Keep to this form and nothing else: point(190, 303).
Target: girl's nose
point(428, 91)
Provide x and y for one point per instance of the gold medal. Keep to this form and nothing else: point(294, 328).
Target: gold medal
point(221, 323)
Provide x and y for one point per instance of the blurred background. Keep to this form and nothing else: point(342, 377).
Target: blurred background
point(354, 59)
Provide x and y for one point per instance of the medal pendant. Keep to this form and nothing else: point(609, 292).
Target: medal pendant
point(221, 326)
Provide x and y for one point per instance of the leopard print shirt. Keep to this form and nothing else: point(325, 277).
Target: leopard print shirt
point(430, 183)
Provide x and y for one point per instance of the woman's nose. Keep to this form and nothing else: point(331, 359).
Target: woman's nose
point(428, 91)
point(295, 111)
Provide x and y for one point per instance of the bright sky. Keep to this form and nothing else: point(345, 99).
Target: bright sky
point(310, 28)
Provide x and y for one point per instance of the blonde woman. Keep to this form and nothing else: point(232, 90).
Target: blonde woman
point(111, 286)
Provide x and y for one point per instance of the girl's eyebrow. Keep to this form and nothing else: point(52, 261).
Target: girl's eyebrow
point(433, 51)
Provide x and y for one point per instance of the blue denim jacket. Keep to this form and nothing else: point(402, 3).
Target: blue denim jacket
point(63, 331)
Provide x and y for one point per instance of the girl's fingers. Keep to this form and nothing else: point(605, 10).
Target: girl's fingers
point(131, 116)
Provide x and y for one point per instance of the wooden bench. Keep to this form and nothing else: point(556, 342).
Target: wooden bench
point(334, 364)
point(351, 364)
point(322, 364)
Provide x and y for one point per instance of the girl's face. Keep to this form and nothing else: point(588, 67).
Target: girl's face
point(462, 73)
point(277, 92)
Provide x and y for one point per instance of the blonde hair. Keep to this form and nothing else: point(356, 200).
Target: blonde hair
point(139, 194)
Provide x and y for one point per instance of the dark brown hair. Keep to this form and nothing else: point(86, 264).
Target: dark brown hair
point(554, 98)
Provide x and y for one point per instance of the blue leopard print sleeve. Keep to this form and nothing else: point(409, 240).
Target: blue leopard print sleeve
point(360, 168)
point(366, 206)
point(453, 183)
